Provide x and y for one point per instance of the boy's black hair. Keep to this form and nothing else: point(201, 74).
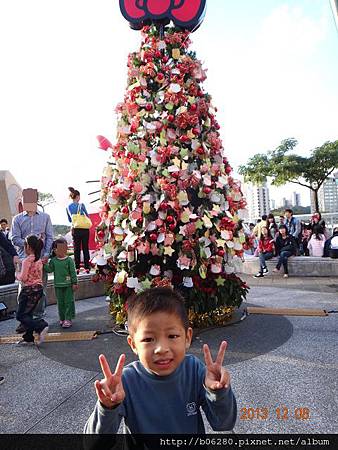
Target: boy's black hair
point(36, 244)
point(55, 244)
point(150, 301)
point(281, 225)
point(4, 221)
point(289, 210)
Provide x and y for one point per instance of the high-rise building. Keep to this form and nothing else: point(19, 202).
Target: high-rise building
point(272, 204)
point(286, 203)
point(328, 195)
point(258, 201)
point(295, 199)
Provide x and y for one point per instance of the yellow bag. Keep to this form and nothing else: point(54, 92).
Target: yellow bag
point(80, 220)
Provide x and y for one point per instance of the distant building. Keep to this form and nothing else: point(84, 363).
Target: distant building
point(328, 195)
point(295, 199)
point(10, 196)
point(272, 204)
point(286, 203)
point(258, 201)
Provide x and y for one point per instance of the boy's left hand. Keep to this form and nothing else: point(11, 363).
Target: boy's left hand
point(216, 376)
point(75, 287)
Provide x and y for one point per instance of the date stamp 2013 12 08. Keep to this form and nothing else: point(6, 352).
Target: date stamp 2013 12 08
point(281, 413)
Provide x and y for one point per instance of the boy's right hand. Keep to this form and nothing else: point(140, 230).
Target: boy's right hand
point(110, 390)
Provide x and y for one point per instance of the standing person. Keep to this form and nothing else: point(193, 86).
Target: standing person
point(32, 221)
point(293, 226)
point(285, 247)
point(31, 291)
point(265, 251)
point(65, 281)
point(9, 259)
point(272, 225)
point(4, 227)
point(317, 241)
point(80, 235)
point(160, 335)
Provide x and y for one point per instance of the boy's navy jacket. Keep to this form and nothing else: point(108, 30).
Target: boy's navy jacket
point(169, 404)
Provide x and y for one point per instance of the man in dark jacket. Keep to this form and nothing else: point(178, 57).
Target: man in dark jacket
point(9, 258)
point(331, 244)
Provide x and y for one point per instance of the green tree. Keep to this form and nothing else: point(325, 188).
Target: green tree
point(310, 172)
point(45, 199)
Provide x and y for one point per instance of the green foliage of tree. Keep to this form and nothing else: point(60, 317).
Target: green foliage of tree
point(60, 230)
point(45, 199)
point(282, 168)
point(296, 210)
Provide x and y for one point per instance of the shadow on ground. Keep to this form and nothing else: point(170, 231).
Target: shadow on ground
point(254, 336)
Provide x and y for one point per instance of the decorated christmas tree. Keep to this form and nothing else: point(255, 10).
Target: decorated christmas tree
point(169, 203)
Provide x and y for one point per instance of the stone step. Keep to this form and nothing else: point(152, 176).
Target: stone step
point(302, 266)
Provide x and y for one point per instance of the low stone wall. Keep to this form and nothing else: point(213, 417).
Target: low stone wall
point(87, 289)
point(302, 266)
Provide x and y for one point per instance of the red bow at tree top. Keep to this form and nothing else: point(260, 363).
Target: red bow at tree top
point(186, 14)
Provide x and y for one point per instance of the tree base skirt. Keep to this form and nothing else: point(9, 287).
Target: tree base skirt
point(217, 317)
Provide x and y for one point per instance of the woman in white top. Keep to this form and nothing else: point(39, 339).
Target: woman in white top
point(316, 242)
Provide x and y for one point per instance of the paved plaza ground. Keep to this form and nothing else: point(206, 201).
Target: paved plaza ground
point(281, 362)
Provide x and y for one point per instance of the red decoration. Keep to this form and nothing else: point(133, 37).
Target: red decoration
point(104, 143)
point(163, 206)
point(153, 237)
point(187, 14)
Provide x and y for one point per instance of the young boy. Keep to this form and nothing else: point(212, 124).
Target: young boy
point(164, 390)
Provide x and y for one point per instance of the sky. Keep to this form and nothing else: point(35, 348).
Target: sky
point(272, 73)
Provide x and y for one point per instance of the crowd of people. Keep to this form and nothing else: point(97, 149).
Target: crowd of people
point(290, 237)
point(28, 252)
point(159, 332)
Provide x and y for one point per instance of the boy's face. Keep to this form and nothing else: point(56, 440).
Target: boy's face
point(3, 226)
point(61, 250)
point(160, 341)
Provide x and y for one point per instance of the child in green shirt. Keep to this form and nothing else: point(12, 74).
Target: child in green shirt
point(65, 281)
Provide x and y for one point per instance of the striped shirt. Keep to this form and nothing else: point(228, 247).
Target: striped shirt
point(39, 224)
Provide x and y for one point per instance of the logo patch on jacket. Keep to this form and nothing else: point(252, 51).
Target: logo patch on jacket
point(191, 409)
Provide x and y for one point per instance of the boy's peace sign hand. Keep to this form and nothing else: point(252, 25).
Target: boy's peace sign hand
point(216, 376)
point(110, 390)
